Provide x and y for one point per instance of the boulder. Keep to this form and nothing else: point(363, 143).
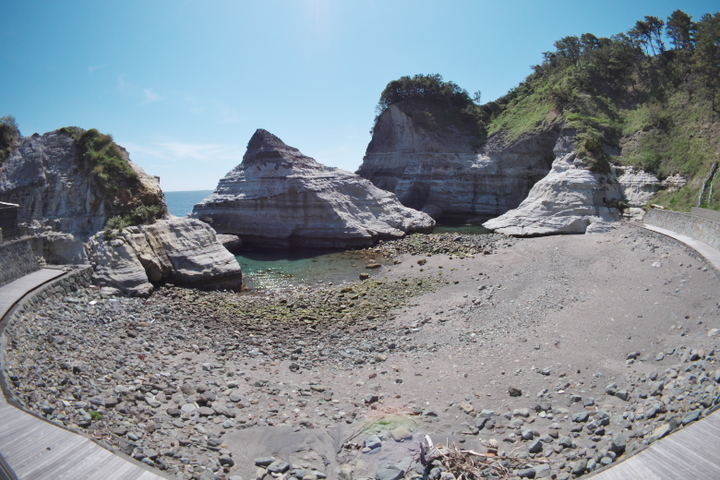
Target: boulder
point(442, 170)
point(278, 197)
point(178, 250)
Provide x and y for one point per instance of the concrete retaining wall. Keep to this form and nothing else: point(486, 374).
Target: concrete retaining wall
point(713, 215)
point(58, 288)
point(702, 228)
point(16, 260)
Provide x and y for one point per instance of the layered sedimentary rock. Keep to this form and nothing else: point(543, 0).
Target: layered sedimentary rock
point(440, 169)
point(177, 250)
point(278, 197)
point(638, 187)
point(573, 199)
point(63, 206)
point(60, 205)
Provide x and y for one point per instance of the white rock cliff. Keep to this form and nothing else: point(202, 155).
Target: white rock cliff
point(278, 197)
point(441, 169)
point(60, 206)
point(572, 199)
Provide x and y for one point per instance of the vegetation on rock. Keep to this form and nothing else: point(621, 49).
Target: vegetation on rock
point(8, 132)
point(436, 104)
point(142, 215)
point(646, 98)
point(108, 168)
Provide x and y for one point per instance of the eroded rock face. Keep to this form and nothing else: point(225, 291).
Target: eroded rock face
point(61, 206)
point(638, 188)
point(278, 197)
point(178, 250)
point(441, 168)
point(572, 199)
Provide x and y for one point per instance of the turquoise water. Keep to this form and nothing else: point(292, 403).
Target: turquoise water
point(182, 203)
point(287, 268)
point(279, 269)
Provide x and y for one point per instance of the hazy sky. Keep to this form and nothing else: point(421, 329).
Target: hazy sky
point(184, 84)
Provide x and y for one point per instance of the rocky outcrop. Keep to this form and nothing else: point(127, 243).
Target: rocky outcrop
point(178, 250)
point(278, 197)
point(573, 199)
point(442, 169)
point(60, 205)
point(638, 187)
point(63, 204)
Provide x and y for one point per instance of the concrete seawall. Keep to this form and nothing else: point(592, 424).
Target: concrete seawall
point(702, 228)
point(16, 260)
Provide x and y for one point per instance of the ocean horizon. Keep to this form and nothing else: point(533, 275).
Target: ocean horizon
point(181, 203)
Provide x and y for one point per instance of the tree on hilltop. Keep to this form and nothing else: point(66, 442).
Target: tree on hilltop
point(681, 30)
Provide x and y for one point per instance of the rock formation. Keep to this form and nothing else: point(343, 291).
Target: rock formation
point(63, 205)
point(278, 197)
point(441, 169)
point(177, 250)
point(60, 205)
point(572, 199)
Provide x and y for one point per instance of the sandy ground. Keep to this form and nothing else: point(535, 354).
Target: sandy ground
point(573, 305)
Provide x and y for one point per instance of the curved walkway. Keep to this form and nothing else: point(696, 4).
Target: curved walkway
point(35, 449)
point(32, 448)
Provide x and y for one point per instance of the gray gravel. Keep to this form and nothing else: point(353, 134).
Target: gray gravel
point(550, 357)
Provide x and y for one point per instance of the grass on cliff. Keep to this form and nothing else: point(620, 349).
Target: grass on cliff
point(142, 215)
point(101, 158)
point(106, 165)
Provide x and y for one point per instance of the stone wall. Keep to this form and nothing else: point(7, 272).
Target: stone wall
point(16, 260)
point(700, 228)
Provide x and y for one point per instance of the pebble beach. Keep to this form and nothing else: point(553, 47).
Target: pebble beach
point(549, 357)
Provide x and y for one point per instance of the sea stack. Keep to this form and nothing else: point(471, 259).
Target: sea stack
point(279, 198)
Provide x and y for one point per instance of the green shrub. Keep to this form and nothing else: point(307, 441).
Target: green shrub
point(142, 215)
point(8, 133)
point(99, 156)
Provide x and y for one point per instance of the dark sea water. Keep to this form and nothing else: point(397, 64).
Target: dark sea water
point(279, 269)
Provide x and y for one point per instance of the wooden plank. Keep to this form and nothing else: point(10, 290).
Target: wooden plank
point(45, 463)
point(692, 452)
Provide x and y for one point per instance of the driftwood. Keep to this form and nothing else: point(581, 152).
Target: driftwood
point(468, 464)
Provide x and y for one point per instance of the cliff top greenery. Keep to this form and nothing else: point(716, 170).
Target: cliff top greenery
point(104, 162)
point(646, 98)
point(8, 132)
point(434, 103)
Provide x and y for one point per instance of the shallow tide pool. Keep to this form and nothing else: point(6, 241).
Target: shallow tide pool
point(276, 270)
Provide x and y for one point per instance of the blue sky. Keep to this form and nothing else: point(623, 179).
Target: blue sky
point(184, 84)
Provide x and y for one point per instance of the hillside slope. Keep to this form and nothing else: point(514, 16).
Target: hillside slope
point(639, 110)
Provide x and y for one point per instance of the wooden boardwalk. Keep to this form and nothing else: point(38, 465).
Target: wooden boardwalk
point(11, 293)
point(691, 453)
point(36, 449)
